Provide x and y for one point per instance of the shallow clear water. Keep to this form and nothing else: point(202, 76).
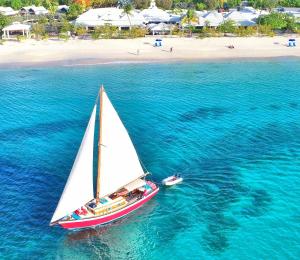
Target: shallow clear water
point(232, 129)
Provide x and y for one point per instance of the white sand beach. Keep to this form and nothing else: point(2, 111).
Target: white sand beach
point(84, 52)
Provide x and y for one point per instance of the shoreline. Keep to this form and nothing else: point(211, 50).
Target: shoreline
point(87, 63)
point(77, 52)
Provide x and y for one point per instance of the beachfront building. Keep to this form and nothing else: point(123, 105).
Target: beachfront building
point(198, 22)
point(293, 11)
point(246, 16)
point(213, 19)
point(155, 15)
point(62, 9)
point(15, 29)
point(110, 16)
point(160, 29)
point(241, 18)
point(7, 11)
point(33, 10)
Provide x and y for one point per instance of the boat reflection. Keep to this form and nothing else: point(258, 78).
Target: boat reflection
point(82, 234)
point(140, 215)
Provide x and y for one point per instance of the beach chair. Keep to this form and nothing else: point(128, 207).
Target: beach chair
point(292, 43)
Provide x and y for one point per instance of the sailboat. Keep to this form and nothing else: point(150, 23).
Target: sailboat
point(122, 186)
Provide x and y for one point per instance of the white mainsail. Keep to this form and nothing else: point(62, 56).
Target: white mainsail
point(120, 164)
point(79, 187)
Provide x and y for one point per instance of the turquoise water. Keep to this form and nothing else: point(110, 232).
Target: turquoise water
point(232, 129)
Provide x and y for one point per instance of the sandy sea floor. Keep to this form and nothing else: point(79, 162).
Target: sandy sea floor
point(85, 52)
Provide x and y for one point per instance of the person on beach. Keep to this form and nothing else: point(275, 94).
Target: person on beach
point(171, 49)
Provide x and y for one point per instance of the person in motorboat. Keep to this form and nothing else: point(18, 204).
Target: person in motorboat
point(172, 180)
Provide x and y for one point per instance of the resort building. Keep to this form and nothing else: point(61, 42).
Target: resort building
point(62, 9)
point(33, 10)
point(156, 15)
point(199, 22)
point(110, 16)
point(7, 11)
point(15, 29)
point(213, 19)
point(293, 11)
point(242, 18)
point(161, 28)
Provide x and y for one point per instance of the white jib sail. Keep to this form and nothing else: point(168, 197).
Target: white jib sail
point(119, 161)
point(79, 187)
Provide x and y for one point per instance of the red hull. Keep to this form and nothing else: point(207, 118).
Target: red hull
point(84, 223)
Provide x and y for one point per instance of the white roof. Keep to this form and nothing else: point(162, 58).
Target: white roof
point(36, 9)
point(135, 184)
point(243, 18)
point(175, 18)
point(249, 9)
point(17, 27)
point(213, 18)
point(159, 27)
point(7, 11)
point(60, 7)
point(296, 14)
point(113, 16)
point(201, 13)
point(154, 14)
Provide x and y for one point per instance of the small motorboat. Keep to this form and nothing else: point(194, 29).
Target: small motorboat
point(172, 180)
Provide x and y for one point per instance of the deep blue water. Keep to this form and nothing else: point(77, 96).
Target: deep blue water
point(232, 129)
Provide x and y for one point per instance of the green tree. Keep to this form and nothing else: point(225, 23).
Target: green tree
point(65, 2)
point(16, 4)
point(141, 4)
point(48, 3)
point(289, 3)
point(53, 8)
point(4, 2)
point(233, 3)
point(107, 31)
point(104, 3)
point(227, 26)
point(264, 4)
point(80, 31)
point(201, 6)
point(212, 4)
point(65, 26)
point(4, 21)
point(38, 30)
point(279, 21)
point(164, 4)
point(74, 11)
point(189, 18)
point(127, 9)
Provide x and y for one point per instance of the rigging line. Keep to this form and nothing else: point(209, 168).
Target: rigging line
point(96, 101)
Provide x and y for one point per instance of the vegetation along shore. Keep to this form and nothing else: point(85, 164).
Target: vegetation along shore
point(96, 19)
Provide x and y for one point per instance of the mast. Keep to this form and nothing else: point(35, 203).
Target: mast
point(99, 143)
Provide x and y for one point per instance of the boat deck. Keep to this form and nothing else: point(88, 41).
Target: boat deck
point(110, 204)
point(106, 208)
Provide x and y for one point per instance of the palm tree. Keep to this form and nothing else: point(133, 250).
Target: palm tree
point(259, 4)
point(189, 18)
point(127, 9)
point(52, 9)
